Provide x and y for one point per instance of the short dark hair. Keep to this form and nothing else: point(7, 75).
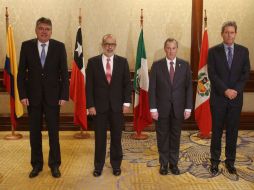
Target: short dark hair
point(44, 20)
point(228, 23)
point(170, 40)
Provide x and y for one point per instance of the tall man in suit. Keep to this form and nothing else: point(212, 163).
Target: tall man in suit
point(228, 70)
point(108, 95)
point(43, 86)
point(170, 93)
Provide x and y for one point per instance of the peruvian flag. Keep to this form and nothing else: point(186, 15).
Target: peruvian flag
point(77, 84)
point(202, 105)
point(142, 116)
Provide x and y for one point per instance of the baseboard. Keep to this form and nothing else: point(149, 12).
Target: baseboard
point(66, 123)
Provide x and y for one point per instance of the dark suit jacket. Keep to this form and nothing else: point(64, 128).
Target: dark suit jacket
point(99, 93)
point(222, 77)
point(50, 83)
point(162, 94)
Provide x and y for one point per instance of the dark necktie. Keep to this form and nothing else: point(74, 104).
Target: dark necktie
point(230, 57)
point(43, 54)
point(171, 72)
point(108, 70)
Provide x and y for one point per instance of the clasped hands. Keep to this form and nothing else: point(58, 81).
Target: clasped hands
point(231, 94)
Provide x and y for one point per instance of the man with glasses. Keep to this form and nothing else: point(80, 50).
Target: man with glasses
point(108, 89)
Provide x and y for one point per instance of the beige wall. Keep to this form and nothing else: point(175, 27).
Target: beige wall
point(162, 19)
point(119, 17)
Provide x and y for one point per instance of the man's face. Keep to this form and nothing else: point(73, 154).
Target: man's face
point(228, 35)
point(170, 50)
point(43, 32)
point(109, 46)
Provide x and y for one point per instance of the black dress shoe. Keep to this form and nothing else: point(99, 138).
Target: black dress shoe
point(231, 168)
point(96, 173)
point(174, 169)
point(117, 172)
point(214, 169)
point(35, 171)
point(164, 170)
point(55, 172)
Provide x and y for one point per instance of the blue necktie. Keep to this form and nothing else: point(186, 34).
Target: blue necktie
point(43, 55)
point(230, 57)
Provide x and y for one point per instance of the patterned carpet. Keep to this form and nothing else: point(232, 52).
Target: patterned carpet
point(139, 168)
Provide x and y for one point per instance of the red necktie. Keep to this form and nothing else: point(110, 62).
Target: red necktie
point(171, 72)
point(108, 70)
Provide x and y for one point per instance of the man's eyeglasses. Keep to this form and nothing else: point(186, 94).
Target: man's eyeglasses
point(109, 44)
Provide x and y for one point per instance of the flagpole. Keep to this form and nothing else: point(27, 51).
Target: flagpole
point(81, 134)
point(13, 135)
point(140, 136)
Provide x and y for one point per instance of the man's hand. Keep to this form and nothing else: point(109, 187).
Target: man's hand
point(231, 94)
point(91, 111)
point(61, 102)
point(187, 114)
point(126, 109)
point(25, 102)
point(154, 115)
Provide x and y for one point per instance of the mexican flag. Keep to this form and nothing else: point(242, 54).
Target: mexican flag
point(142, 116)
point(202, 105)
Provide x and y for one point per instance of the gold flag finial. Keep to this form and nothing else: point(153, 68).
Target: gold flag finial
point(205, 19)
point(79, 18)
point(141, 19)
point(7, 18)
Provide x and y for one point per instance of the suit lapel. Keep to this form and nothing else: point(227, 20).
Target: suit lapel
point(49, 53)
point(36, 52)
point(223, 56)
point(101, 69)
point(115, 68)
point(235, 55)
point(177, 72)
point(165, 71)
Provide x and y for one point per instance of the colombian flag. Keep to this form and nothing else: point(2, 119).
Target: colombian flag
point(10, 78)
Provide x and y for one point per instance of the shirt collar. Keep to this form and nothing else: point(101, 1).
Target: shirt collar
point(39, 43)
point(104, 57)
point(168, 61)
point(226, 46)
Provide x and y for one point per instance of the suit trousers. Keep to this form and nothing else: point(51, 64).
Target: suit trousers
point(113, 120)
point(168, 132)
point(52, 122)
point(229, 117)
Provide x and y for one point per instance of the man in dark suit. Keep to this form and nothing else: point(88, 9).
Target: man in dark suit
point(108, 95)
point(228, 70)
point(43, 86)
point(170, 93)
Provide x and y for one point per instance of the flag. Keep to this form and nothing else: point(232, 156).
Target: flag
point(10, 78)
point(77, 83)
point(202, 105)
point(142, 116)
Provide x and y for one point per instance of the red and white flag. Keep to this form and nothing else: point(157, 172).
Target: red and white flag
point(77, 84)
point(202, 105)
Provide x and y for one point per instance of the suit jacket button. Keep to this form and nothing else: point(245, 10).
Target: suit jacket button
point(42, 74)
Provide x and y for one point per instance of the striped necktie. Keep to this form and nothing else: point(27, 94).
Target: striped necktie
point(43, 54)
point(108, 70)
